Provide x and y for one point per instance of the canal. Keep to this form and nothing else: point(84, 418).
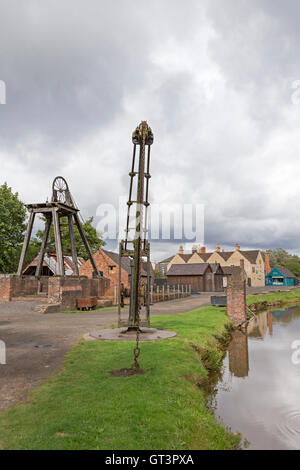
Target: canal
point(258, 393)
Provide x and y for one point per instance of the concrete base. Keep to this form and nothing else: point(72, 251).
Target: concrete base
point(121, 334)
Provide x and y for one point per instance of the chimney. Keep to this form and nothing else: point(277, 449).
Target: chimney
point(203, 250)
point(194, 249)
point(218, 249)
point(242, 266)
point(267, 263)
point(180, 252)
point(237, 247)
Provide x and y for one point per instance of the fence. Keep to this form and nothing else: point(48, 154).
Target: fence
point(157, 293)
point(160, 294)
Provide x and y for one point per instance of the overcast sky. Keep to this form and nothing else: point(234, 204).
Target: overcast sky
point(214, 80)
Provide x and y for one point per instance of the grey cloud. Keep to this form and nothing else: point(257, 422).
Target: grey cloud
point(213, 80)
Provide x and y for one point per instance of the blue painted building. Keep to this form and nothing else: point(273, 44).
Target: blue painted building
point(281, 277)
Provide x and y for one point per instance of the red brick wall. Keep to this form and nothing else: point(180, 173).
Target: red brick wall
point(236, 301)
point(66, 290)
point(5, 287)
point(17, 286)
point(60, 289)
point(103, 262)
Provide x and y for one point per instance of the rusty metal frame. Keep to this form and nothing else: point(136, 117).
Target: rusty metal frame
point(63, 206)
point(139, 247)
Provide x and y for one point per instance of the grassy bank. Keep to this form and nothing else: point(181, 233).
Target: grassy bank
point(85, 408)
point(263, 301)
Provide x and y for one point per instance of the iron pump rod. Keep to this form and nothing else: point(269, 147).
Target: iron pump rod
point(141, 137)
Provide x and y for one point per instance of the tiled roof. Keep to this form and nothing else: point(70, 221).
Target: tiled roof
point(226, 254)
point(192, 269)
point(251, 255)
point(286, 272)
point(167, 260)
point(125, 263)
point(204, 256)
point(185, 257)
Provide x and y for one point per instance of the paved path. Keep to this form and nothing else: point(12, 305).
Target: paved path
point(37, 343)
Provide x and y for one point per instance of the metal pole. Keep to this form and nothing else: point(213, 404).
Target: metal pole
point(138, 231)
point(39, 266)
point(58, 243)
point(86, 244)
point(73, 245)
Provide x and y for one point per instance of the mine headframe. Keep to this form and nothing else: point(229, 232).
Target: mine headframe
point(135, 245)
point(62, 205)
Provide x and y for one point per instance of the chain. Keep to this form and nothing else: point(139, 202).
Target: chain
point(137, 348)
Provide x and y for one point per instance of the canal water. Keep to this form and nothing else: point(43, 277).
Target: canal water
point(259, 392)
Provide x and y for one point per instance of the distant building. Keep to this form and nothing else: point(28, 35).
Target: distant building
point(281, 277)
point(50, 265)
point(163, 265)
point(202, 277)
point(253, 261)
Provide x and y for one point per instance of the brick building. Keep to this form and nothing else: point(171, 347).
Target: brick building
point(108, 265)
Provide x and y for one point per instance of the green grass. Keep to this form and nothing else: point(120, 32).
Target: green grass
point(261, 301)
point(84, 408)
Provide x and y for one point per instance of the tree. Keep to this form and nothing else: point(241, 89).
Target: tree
point(159, 275)
point(281, 257)
point(94, 239)
point(12, 226)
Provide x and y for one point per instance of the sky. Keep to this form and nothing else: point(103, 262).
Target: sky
point(218, 82)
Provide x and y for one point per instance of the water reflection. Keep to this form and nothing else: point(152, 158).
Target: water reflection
point(238, 354)
point(258, 394)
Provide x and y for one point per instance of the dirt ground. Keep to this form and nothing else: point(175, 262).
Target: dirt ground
point(37, 343)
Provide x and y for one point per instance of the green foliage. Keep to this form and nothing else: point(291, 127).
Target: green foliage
point(12, 226)
point(94, 239)
point(281, 257)
point(159, 275)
